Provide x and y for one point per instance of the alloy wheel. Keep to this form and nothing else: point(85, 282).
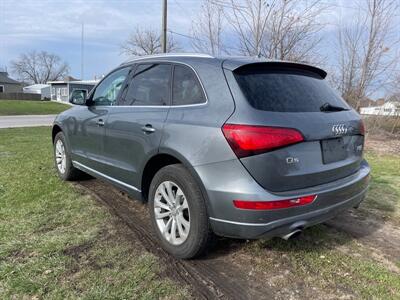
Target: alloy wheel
point(61, 159)
point(172, 213)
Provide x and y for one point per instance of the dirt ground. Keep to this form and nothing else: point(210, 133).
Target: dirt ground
point(383, 144)
point(229, 271)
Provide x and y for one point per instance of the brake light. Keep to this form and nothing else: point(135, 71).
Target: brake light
point(246, 140)
point(268, 205)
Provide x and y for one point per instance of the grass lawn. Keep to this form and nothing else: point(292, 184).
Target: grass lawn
point(56, 243)
point(384, 193)
point(331, 261)
point(20, 107)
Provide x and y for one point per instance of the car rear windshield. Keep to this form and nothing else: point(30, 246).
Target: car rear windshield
point(286, 89)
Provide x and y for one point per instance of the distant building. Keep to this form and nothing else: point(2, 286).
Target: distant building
point(42, 89)
point(367, 102)
point(8, 85)
point(62, 89)
point(390, 108)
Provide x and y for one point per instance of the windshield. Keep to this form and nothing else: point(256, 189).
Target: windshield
point(289, 90)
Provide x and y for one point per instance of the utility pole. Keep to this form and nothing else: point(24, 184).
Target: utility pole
point(164, 27)
point(82, 57)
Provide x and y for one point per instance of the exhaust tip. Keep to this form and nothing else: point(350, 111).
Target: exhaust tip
point(292, 235)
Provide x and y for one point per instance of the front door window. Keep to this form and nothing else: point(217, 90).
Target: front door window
point(107, 91)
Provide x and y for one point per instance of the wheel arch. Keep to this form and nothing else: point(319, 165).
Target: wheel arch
point(164, 158)
point(56, 129)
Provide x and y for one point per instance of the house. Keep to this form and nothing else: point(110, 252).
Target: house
point(8, 85)
point(42, 89)
point(62, 89)
point(390, 108)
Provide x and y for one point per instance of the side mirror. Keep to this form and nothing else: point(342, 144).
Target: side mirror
point(78, 97)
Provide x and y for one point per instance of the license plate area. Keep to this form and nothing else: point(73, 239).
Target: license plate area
point(333, 150)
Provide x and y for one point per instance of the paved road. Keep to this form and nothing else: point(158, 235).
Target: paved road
point(26, 121)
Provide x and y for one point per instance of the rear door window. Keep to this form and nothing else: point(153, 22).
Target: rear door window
point(186, 88)
point(150, 86)
point(286, 90)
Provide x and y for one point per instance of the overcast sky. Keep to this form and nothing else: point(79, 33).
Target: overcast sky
point(55, 26)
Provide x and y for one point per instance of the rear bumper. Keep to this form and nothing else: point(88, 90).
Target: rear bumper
point(226, 220)
point(283, 226)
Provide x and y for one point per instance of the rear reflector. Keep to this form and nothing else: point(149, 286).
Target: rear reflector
point(246, 140)
point(267, 205)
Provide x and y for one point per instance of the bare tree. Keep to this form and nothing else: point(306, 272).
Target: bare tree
point(39, 67)
point(395, 98)
point(366, 57)
point(293, 30)
point(207, 29)
point(277, 29)
point(248, 19)
point(146, 42)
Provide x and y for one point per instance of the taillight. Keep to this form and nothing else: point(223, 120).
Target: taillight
point(362, 127)
point(246, 140)
point(267, 205)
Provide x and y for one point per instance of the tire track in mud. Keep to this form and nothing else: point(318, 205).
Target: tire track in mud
point(209, 278)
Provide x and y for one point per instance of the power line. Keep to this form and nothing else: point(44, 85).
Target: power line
point(198, 39)
point(238, 49)
point(181, 7)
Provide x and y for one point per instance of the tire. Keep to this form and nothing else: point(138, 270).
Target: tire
point(195, 238)
point(66, 171)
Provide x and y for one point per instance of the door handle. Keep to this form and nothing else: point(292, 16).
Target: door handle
point(148, 128)
point(100, 122)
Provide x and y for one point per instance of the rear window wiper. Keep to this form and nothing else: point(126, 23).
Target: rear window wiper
point(327, 107)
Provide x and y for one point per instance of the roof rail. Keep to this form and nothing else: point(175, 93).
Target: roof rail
point(168, 55)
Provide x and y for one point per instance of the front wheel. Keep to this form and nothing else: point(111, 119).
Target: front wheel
point(62, 160)
point(178, 212)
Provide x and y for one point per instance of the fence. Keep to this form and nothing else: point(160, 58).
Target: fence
point(20, 96)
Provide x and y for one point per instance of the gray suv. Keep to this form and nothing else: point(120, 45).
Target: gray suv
point(235, 147)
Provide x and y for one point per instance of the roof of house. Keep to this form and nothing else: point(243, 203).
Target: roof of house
point(36, 86)
point(5, 79)
point(89, 82)
point(66, 79)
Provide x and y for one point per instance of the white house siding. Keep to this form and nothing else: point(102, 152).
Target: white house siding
point(59, 92)
point(387, 109)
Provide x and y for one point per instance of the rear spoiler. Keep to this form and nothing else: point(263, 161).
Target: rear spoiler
point(236, 65)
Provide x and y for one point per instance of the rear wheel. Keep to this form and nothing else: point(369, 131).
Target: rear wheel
point(178, 212)
point(62, 160)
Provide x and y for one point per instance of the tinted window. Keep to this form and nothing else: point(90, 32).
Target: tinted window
point(186, 87)
point(149, 86)
point(107, 91)
point(286, 90)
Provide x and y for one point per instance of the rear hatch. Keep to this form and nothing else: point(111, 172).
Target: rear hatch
point(316, 137)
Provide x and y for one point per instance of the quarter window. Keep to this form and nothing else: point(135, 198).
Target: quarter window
point(149, 86)
point(186, 87)
point(106, 92)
